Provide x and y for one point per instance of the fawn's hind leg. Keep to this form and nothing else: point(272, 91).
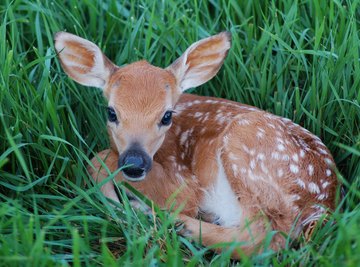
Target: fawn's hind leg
point(249, 236)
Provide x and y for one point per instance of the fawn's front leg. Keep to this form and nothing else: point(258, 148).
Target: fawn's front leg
point(158, 186)
point(99, 172)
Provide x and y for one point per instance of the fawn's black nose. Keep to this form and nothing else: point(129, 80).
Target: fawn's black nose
point(137, 163)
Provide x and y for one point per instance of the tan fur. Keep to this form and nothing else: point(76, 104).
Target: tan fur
point(278, 173)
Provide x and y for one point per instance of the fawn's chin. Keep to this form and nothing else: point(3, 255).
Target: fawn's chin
point(134, 179)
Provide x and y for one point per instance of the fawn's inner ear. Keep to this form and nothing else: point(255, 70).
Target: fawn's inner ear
point(201, 61)
point(83, 61)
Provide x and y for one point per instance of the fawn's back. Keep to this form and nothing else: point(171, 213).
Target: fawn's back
point(270, 163)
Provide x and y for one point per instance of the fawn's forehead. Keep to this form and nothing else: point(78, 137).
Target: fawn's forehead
point(141, 84)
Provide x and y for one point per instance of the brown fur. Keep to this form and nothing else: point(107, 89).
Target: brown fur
point(278, 172)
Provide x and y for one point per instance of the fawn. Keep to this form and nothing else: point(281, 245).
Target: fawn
point(241, 171)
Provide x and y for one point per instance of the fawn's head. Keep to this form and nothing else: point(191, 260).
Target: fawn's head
point(141, 97)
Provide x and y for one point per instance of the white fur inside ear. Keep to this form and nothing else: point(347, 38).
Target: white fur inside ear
point(198, 74)
point(201, 61)
point(82, 60)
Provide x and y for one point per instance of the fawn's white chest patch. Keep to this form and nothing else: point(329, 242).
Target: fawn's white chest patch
point(220, 200)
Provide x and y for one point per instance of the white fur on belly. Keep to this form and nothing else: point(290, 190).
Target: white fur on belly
point(221, 201)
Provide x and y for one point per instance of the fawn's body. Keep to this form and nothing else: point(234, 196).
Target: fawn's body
point(239, 170)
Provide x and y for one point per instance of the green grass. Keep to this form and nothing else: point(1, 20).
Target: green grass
point(297, 59)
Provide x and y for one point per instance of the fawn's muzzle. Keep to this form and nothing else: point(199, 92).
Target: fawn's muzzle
point(137, 163)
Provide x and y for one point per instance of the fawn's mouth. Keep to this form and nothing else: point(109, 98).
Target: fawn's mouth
point(134, 179)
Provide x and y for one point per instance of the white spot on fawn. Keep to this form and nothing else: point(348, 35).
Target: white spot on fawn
point(253, 176)
point(179, 109)
point(260, 135)
point(280, 147)
point(328, 161)
point(172, 159)
point(325, 184)
point(235, 169)
point(280, 173)
point(314, 188)
point(322, 151)
point(184, 137)
point(311, 169)
point(260, 156)
point(295, 157)
point(300, 183)
point(294, 168)
point(286, 120)
point(179, 178)
point(226, 139)
point(243, 122)
point(328, 172)
point(232, 156)
point(222, 120)
point(275, 155)
point(270, 116)
point(252, 164)
point(302, 153)
point(303, 144)
point(264, 168)
point(198, 114)
point(246, 149)
point(179, 167)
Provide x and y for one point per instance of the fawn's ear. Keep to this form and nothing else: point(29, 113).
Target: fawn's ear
point(201, 61)
point(82, 60)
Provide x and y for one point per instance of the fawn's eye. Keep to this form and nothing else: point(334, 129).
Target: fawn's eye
point(166, 119)
point(111, 114)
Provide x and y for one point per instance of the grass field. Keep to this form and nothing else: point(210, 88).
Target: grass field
point(297, 59)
